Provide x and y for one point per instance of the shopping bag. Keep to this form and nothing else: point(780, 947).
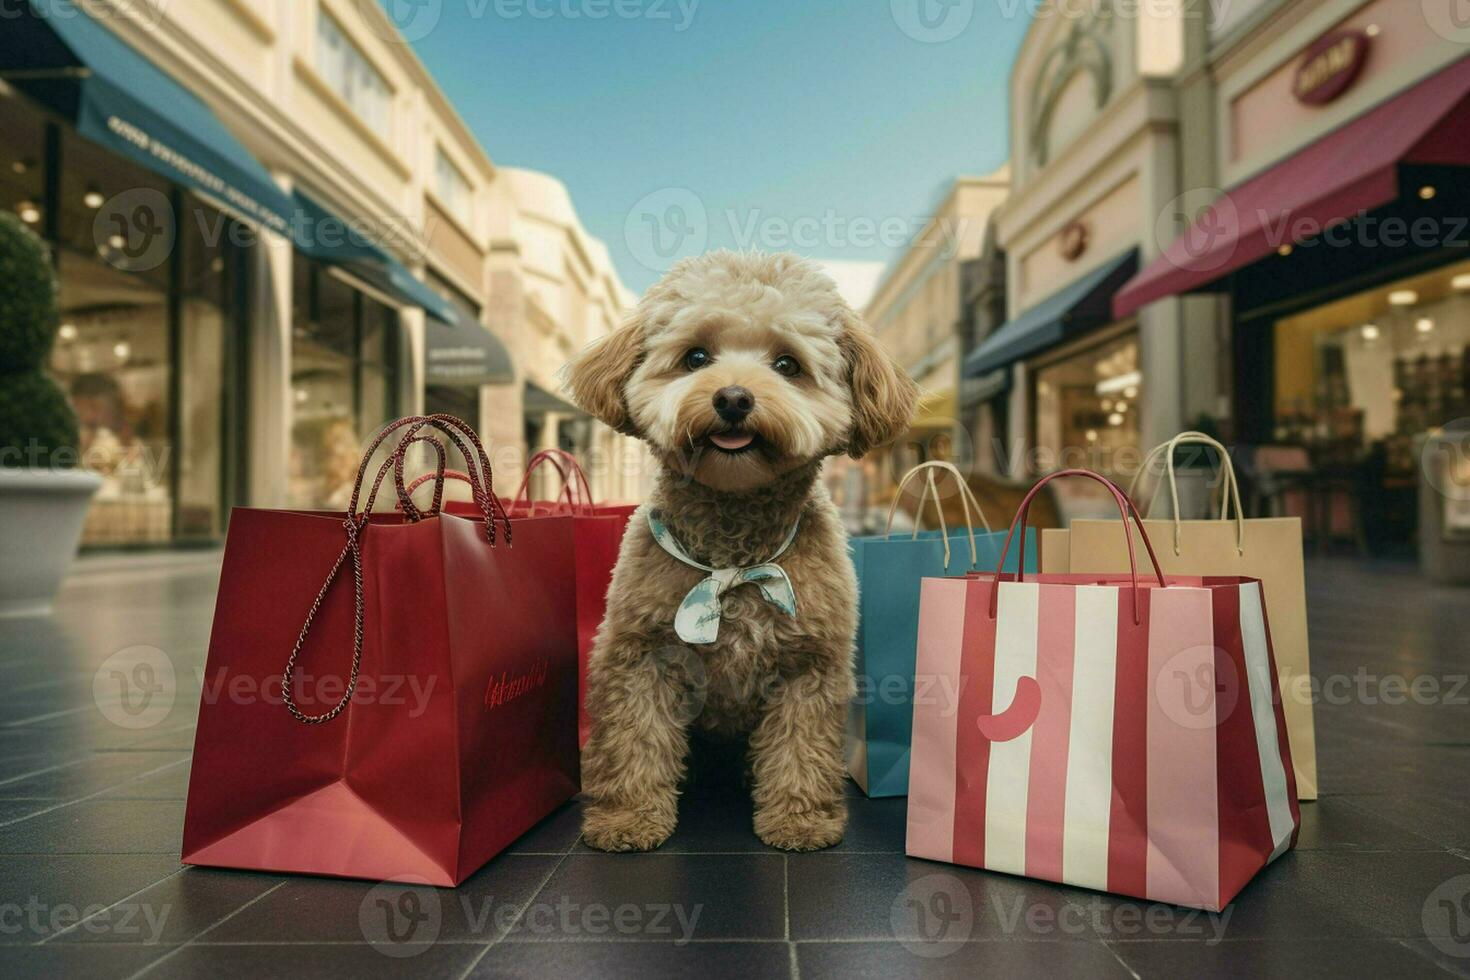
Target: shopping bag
point(597, 536)
point(389, 694)
point(1115, 732)
point(1269, 549)
point(889, 570)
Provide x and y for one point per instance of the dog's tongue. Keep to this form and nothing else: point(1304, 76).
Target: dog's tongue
point(732, 440)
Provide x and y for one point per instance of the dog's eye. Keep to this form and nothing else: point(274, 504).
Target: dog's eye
point(786, 365)
point(696, 358)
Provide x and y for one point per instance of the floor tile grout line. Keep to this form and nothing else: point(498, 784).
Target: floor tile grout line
point(786, 894)
point(93, 796)
point(82, 922)
point(193, 939)
point(1121, 962)
point(530, 900)
point(41, 772)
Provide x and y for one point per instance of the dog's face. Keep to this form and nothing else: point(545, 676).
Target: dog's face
point(739, 367)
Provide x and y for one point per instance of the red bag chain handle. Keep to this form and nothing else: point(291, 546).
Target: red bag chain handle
point(557, 457)
point(478, 471)
point(1125, 510)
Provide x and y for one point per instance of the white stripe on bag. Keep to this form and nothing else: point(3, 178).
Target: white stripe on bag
point(1008, 784)
point(1089, 801)
point(1263, 712)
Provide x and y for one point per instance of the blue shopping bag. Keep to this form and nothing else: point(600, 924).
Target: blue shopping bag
point(889, 571)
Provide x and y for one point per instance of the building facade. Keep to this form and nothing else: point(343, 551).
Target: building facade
point(273, 233)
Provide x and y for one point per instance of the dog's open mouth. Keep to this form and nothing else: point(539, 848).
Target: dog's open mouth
point(733, 441)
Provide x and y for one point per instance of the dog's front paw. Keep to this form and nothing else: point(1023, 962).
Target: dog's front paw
point(810, 830)
point(612, 829)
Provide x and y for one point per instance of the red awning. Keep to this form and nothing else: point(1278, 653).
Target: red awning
point(1348, 171)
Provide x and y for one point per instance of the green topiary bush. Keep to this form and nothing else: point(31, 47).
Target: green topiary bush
point(37, 426)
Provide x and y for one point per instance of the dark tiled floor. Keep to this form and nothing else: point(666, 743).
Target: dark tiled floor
point(91, 809)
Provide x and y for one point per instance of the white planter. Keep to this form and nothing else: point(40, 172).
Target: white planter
point(41, 515)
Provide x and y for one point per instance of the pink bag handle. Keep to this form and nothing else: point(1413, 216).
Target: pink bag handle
point(477, 472)
point(573, 481)
point(1125, 509)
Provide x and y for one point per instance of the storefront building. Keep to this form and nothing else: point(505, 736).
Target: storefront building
point(272, 235)
point(1095, 140)
point(1339, 132)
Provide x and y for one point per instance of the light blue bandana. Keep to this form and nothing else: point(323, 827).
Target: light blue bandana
point(698, 618)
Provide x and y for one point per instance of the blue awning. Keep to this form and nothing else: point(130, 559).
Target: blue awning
point(323, 235)
point(1081, 306)
point(119, 99)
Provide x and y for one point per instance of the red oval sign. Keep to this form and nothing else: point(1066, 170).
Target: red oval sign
point(1330, 66)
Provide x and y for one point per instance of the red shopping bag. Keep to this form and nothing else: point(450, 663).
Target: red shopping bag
point(1105, 731)
point(407, 719)
point(597, 532)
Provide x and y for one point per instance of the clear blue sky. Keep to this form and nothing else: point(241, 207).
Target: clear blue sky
point(823, 112)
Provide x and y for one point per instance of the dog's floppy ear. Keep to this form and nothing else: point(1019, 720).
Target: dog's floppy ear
point(596, 377)
point(883, 394)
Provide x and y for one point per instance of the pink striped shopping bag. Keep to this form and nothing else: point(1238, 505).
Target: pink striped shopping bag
point(1105, 731)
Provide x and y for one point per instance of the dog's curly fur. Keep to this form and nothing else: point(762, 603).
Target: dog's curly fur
point(783, 681)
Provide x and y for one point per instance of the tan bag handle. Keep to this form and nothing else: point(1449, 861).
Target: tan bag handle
point(967, 498)
point(1229, 494)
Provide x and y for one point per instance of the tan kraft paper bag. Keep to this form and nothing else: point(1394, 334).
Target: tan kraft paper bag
point(1269, 549)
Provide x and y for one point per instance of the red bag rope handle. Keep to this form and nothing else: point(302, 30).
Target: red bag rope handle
point(573, 480)
point(1125, 509)
point(477, 473)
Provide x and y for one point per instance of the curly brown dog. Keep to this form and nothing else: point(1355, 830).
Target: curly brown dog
point(743, 372)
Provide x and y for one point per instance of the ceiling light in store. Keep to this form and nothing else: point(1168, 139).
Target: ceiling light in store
point(21, 166)
point(122, 350)
point(1118, 382)
point(68, 331)
point(1461, 281)
point(1424, 324)
point(1107, 404)
point(1120, 407)
point(1283, 250)
point(1370, 331)
point(1115, 419)
point(1130, 392)
point(28, 212)
point(1403, 297)
point(1427, 192)
point(301, 396)
point(1092, 435)
point(1372, 30)
point(117, 242)
point(93, 198)
point(5, 90)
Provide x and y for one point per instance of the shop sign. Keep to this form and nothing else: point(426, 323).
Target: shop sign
point(1073, 241)
point(1330, 66)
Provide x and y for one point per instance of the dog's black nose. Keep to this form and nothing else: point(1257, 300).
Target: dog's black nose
point(734, 403)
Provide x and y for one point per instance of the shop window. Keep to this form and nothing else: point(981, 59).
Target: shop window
point(1359, 380)
point(344, 370)
point(352, 76)
point(22, 159)
point(1087, 411)
point(452, 187)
